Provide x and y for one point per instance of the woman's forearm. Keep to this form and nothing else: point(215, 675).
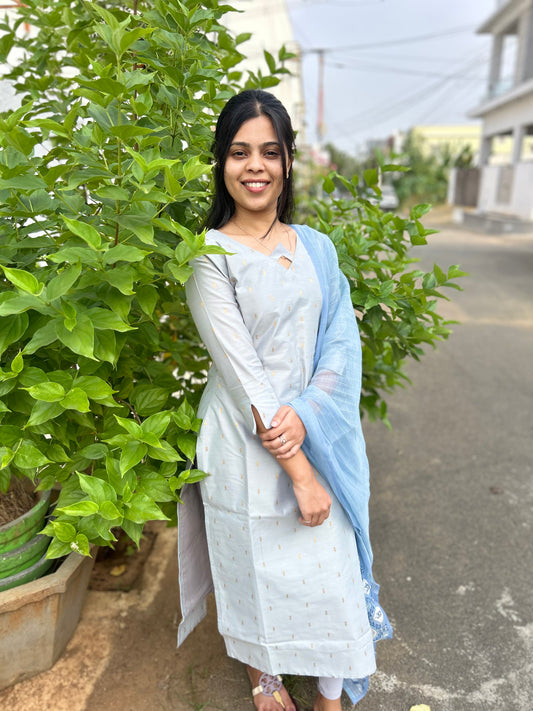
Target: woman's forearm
point(298, 466)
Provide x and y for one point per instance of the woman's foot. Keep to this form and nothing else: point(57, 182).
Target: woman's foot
point(262, 702)
point(323, 704)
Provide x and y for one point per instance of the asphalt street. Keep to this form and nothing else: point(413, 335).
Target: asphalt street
point(453, 492)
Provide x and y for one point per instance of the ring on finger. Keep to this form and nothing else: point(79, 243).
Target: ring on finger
point(282, 439)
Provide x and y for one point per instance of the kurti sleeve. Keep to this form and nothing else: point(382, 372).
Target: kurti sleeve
point(218, 318)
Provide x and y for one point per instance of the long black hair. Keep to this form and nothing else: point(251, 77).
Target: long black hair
point(240, 108)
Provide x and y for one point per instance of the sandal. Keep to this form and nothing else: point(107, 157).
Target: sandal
point(270, 686)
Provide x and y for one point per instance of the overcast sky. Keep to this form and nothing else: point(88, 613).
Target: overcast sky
point(399, 81)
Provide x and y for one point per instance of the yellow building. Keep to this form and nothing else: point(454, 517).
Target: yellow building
point(435, 139)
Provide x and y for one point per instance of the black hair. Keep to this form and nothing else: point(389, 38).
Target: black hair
point(246, 105)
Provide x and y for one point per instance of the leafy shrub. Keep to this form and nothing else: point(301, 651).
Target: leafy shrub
point(395, 305)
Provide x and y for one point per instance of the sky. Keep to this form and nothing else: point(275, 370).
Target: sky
point(392, 64)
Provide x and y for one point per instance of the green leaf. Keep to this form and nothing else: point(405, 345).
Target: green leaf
point(132, 427)
point(179, 273)
point(184, 416)
point(104, 319)
point(29, 457)
point(147, 297)
point(109, 511)
point(12, 303)
point(139, 225)
point(187, 443)
point(49, 392)
point(41, 338)
point(371, 176)
point(124, 253)
point(44, 411)
point(23, 280)
point(57, 453)
point(113, 192)
point(87, 232)
point(80, 508)
point(328, 185)
point(94, 451)
point(76, 399)
point(95, 388)
point(81, 545)
point(63, 282)
point(194, 168)
point(131, 455)
point(164, 453)
point(65, 532)
point(191, 476)
point(58, 549)
point(98, 489)
point(121, 278)
point(149, 399)
point(11, 329)
point(418, 210)
point(105, 346)
point(133, 530)
point(17, 364)
point(142, 508)
point(156, 424)
point(81, 339)
point(271, 62)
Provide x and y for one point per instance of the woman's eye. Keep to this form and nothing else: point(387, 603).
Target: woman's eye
point(272, 154)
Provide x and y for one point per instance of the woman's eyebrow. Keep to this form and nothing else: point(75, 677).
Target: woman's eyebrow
point(247, 145)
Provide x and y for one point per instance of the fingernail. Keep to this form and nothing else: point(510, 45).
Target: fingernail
point(274, 423)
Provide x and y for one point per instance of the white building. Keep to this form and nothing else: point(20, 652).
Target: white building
point(270, 25)
point(506, 186)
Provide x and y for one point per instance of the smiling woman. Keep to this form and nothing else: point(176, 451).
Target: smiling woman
point(292, 582)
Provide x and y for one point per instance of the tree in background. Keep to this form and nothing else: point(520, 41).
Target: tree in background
point(428, 174)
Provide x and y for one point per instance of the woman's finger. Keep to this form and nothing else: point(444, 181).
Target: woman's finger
point(290, 453)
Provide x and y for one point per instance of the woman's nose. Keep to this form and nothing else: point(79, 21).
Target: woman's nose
point(255, 162)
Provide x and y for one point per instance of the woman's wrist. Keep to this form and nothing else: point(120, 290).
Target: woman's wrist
point(299, 469)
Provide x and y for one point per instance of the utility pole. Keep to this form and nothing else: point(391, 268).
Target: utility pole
point(320, 126)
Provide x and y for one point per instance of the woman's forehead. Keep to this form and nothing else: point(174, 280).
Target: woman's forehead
point(256, 130)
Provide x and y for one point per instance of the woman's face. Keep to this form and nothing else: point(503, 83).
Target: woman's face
point(253, 172)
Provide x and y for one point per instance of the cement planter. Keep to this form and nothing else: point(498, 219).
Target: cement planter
point(37, 619)
point(22, 550)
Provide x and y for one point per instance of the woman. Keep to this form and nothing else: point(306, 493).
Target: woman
point(281, 436)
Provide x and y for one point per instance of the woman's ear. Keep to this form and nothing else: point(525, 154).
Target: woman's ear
point(289, 166)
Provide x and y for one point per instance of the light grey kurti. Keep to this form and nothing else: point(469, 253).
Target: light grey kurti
point(289, 597)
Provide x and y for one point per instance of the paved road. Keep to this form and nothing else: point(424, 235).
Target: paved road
point(453, 494)
point(452, 532)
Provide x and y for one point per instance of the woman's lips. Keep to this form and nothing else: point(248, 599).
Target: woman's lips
point(255, 186)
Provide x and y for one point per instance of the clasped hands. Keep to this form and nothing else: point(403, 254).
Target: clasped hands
point(283, 440)
point(286, 434)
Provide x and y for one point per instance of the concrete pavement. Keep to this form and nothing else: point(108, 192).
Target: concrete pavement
point(452, 515)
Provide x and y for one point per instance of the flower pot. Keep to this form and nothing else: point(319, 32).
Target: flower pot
point(37, 619)
point(25, 563)
point(17, 532)
point(22, 550)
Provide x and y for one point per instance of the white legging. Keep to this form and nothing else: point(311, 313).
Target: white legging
point(330, 687)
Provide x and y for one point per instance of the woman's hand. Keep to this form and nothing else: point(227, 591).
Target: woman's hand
point(313, 500)
point(286, 434)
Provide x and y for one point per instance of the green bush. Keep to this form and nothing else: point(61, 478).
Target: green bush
point(395, 304)
point(104, 181)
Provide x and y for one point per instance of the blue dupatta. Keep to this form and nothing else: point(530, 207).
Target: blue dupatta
point(329, 409)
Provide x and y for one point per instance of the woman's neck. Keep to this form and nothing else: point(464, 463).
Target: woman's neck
point(253, 224)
